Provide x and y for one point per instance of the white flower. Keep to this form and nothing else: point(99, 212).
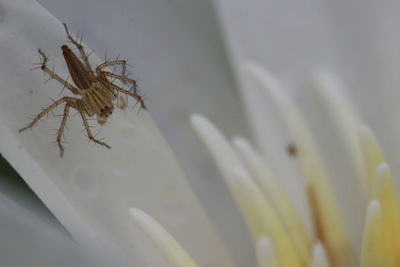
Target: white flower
point(177, 52)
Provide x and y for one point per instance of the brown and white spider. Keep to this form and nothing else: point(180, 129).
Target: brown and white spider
point(97, 92)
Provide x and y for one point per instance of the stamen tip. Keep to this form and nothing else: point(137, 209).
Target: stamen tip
point(374, 206)
point(136, 213)
point(382, 169)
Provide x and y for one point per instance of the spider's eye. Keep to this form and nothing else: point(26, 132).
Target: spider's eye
point(106, 107)
point(102, 110)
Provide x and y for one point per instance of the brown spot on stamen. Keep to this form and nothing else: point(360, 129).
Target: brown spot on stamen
point(291, 149)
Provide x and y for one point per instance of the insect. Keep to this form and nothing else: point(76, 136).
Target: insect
point(95, 90)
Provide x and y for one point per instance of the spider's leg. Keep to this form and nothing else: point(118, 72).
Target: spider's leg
point(61, 129)
point(89, 133)
point(80, 48)
point(122, 78)
point(47, 110)
point(112, 63)
point(55, 76)
point(126, 92)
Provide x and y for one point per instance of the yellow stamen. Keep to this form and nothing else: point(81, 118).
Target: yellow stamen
point(383, 190)
point(323, 205)
point(258, 212)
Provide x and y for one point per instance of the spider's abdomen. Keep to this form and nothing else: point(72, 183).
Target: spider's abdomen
point(79, 72)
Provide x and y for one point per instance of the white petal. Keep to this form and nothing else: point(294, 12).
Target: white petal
point(90, 188)
point(28, 229)
point(176, 52)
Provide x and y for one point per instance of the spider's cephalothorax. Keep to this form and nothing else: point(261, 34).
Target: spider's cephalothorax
point(96, 89)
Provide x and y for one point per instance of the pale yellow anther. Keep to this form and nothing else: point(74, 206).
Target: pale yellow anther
point(273, 191)
point(371, 253)
point(319, 257)
point(166, 243)
point(261, 219)
point(344, 118)
point(265, 253)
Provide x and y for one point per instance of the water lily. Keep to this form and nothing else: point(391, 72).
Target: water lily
point(313, 188)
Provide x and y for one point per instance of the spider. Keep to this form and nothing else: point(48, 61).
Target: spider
point(97, 92)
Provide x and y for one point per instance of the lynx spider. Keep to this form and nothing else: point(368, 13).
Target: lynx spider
point(94, 87)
